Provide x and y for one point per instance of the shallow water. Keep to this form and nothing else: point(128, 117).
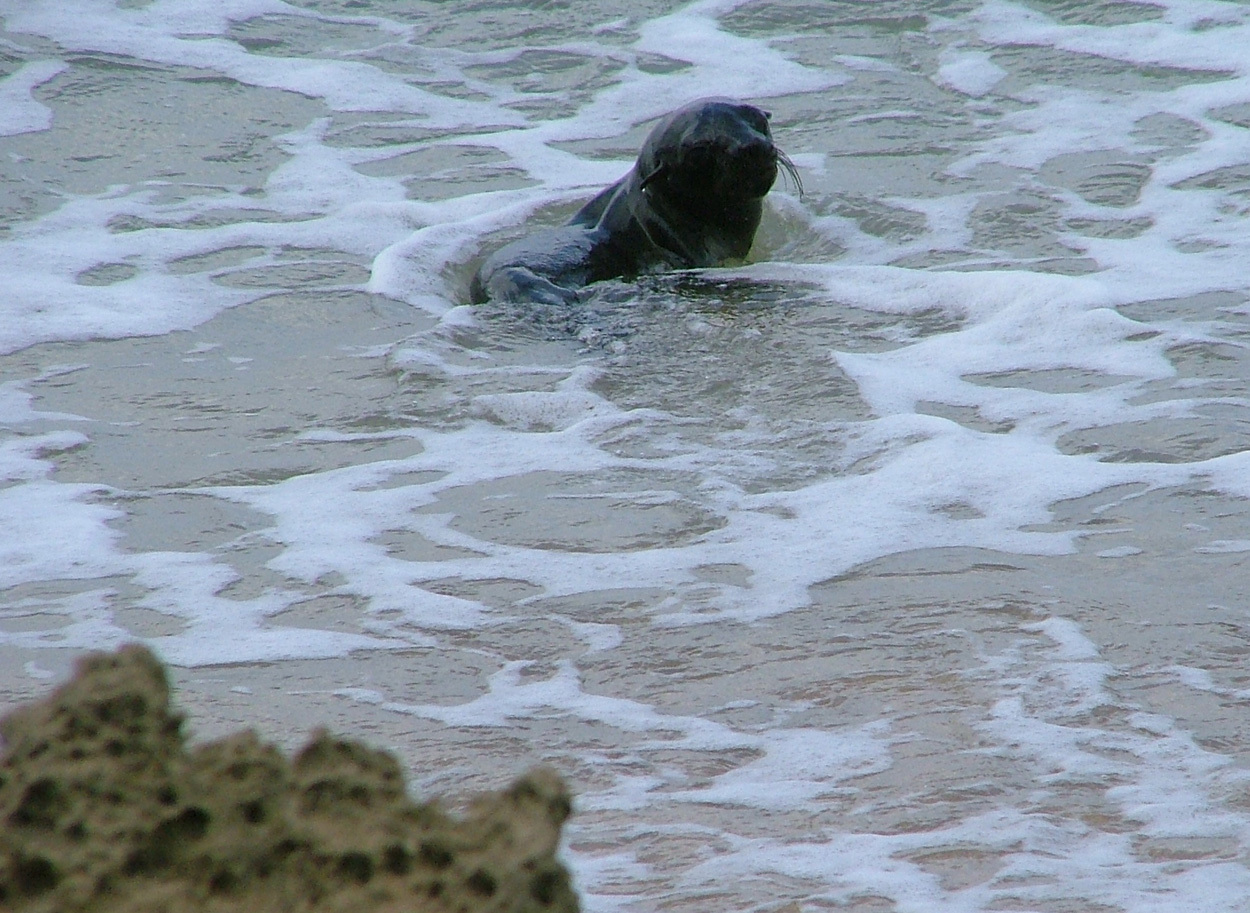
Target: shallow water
point(902, 568)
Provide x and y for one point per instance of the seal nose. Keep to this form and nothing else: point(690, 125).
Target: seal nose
point(756, 155)
point(754, 168)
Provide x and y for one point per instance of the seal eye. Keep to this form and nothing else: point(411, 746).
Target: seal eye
point(755, 118)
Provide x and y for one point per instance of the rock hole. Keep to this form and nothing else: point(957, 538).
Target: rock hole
point(396, 859)
point(481, 882)
point(34, 875)
point(546, 886)
point(356, 866)
point(40, 806)
point(435, 855)
point(253, 812)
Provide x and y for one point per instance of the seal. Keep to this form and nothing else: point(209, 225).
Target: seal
point(693, 199)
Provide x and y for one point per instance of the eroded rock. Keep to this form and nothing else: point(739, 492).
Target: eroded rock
point(104, 808)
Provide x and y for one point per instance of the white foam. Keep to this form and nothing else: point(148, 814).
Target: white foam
point(1192, 34)
point(1224, 547)
point(19, 112)
point(738, 67)
point(58, 531)
point(598, 637)
point(923, 463)
point(15, 403)
point(973, 73)
point(798, 765)
point(1059, 120)
point(1152, 770)
point(509, 699)
point(52, 531)
point(35, 671)
point(45, 302)
point(187, 587)
point(1201, 680)
point(1120, 551)
point(798, 768)
point(184, 33)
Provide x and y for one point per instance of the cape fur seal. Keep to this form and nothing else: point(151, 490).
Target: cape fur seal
point(693, 199)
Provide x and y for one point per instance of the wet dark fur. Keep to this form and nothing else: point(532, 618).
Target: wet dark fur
point(693, 199)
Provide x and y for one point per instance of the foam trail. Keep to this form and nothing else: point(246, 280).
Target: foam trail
point(19, 112)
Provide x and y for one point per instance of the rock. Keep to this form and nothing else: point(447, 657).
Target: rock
point(104, 808)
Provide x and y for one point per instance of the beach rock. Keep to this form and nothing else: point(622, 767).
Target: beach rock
point(103, 807)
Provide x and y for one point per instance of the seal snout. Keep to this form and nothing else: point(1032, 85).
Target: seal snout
point(736, 143)
point(751, 168)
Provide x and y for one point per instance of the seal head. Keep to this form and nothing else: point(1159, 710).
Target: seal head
point(703, 174)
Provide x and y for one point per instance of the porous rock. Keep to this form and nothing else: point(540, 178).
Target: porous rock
point(103, 807)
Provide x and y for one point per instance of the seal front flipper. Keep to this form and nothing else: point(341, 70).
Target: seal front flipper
point(546, 268)
point(517, 284)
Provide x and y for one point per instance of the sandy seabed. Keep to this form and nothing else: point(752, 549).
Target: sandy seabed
point(104, 807)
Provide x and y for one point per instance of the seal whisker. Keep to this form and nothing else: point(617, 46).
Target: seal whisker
point(790, 169)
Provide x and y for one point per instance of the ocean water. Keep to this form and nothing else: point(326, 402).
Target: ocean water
point(900, 568)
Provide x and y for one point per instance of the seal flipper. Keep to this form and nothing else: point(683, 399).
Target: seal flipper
point(545, 268)
point(521, 284)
